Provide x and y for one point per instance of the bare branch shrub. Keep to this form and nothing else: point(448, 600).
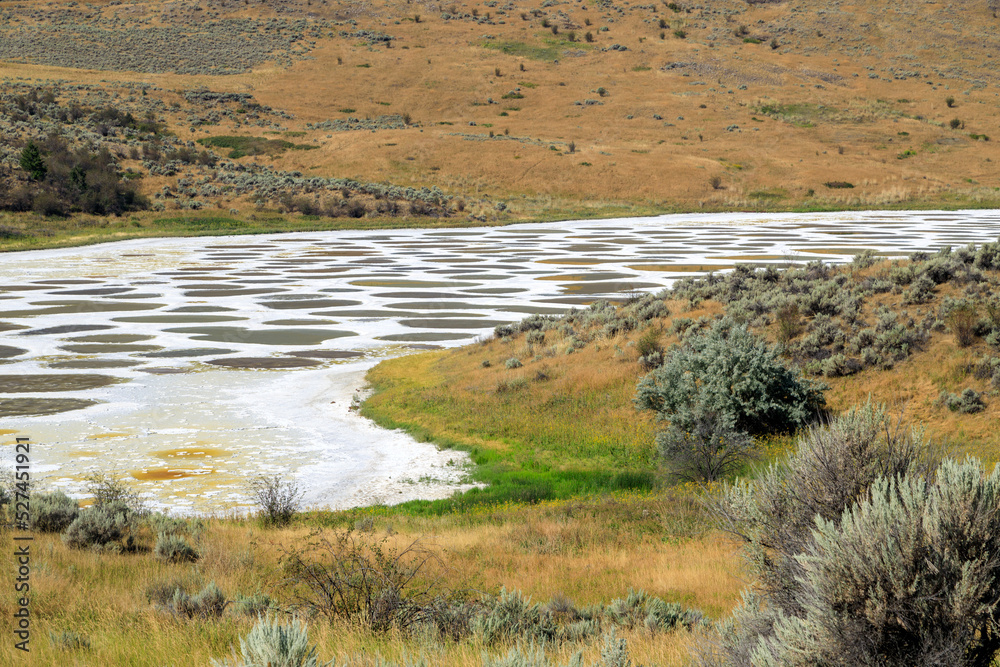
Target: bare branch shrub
point(342, 575)
point(278, 499)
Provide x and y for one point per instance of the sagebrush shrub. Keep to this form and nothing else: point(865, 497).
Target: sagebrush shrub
point(788, 321)
point(941, 538)
point(209, 602)
point(969, 401)
point(271, 643)
point(253, 605)
point(730, 371)
point(109, 526)
point(52, 512)
point(840, 365)
point(535, 337)
point(510, 617)
point(649, 342)
point(776, 515)
point(174, 549)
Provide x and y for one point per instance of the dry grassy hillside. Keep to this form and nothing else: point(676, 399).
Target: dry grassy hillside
point(559, 107)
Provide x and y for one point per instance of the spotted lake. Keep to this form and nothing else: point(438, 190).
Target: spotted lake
point(189, 364)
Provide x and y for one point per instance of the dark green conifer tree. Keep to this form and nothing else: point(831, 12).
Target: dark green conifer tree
point(32, 162)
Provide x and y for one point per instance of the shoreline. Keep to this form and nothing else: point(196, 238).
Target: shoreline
point(184, 223)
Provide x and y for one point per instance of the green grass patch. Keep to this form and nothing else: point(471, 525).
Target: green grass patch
point(523, 448)
point(212, 223)
point(807, 114)
point(769, 195)
point(546, 53)
point(242, 146)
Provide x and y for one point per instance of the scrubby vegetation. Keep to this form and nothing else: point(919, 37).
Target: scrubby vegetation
point(718, 390)
point(545, 434)
point(91, 148)
point(364, 579)
point(687, 354)
point(831, 532)
point(377, 119)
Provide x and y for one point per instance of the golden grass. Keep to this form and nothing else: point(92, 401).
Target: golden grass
point(625, 161)
point(556, 412)
point(602, 548)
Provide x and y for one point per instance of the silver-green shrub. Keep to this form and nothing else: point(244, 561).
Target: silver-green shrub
point(969, 401)
point(272, 643)
point(909, 575)
point(775, 515)
point(174, 549)
point(730, 371)
point(511, 616)
point(110, 526)
point(52, 512)
point(716, 390)
point(209, 602)
point(614, 651)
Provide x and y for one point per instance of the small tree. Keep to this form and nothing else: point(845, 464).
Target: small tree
point(109, 488)
point(730, 371)
point(717, 390)
point(704, 447)
point(32, 162)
